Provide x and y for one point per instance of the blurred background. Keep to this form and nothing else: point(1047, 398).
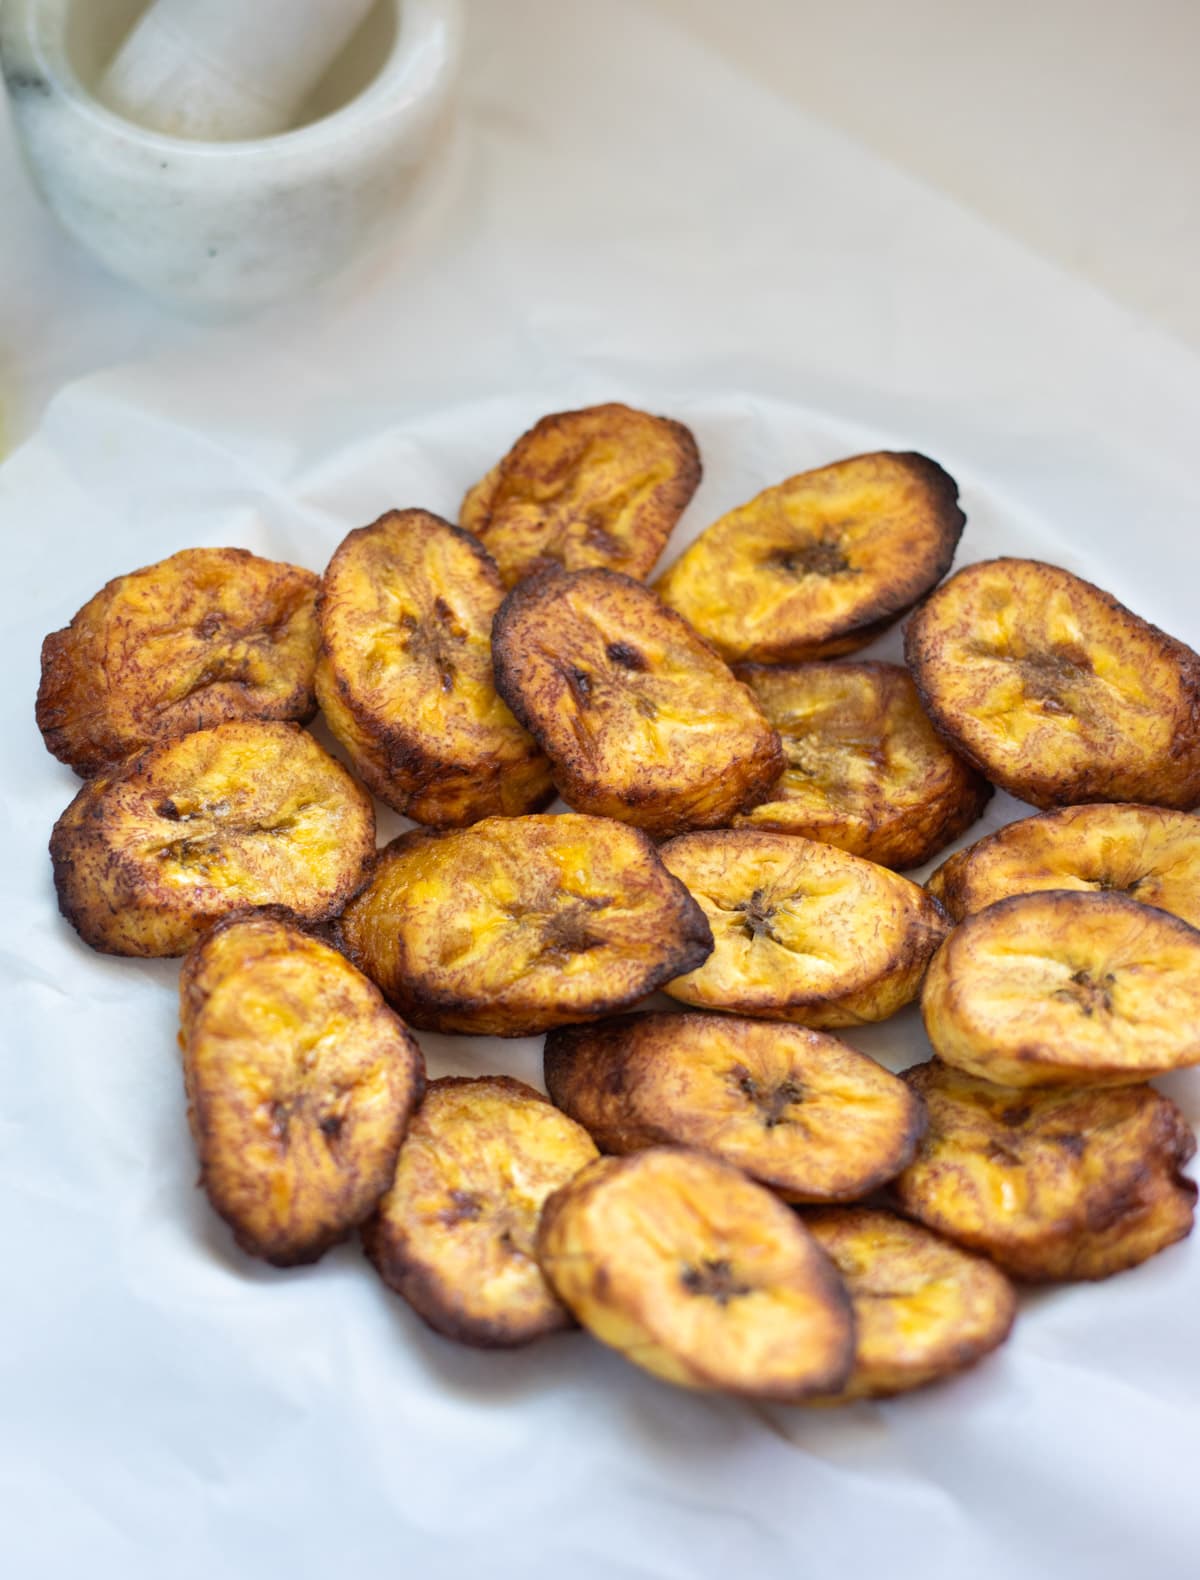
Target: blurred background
point(1074, 124)
point(1071, 126)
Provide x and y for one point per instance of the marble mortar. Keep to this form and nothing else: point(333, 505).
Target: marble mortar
point(220, 228)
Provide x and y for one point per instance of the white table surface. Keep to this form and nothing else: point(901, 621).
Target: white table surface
point(622, 212)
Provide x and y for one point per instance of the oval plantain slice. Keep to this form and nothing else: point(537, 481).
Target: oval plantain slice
point(795, 1109)
point(822, 563)
point(1057, 987)
point(1056, 691)
point(866, 770)
point(1147, 852)
point(300, 1086)
point(454, 1234)
point(599, 487)
point(640, 719)
point(147, 857)
point(519, 924)
point(205, 636)
point(923, 1309)
point(802, 931)
point(405, 674)
point(1050, 1184)
point(698, 1275)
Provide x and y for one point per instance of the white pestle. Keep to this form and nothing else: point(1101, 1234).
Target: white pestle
point(223, 70)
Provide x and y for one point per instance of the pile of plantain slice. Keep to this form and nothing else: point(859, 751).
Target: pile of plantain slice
point(718, 1186)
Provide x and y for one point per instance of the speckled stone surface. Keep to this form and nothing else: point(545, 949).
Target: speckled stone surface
point(218, 228)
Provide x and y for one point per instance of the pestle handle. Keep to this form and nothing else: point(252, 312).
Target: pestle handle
point(226, 69)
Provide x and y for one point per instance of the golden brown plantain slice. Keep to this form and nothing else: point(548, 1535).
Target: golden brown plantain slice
point(923, 1309)
point(405, 673)
point(520, 924)
point(796, 1109)
point(1057, 987)
point(640, 719)
point(147, 857)
point(454, 1235)
point(699, 1275)
point(597, 487)
point(1056, 691)
point(1051, 1184)
point(300, 1085)
point(202, 637)
point(1146, 852)
point(802, 931)
point(822, 563)
point(865, 769)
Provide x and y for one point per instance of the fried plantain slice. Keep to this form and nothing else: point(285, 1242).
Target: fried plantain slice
point(1054, 690)
point(454, 1235)
point(597, 487)
point(1146, 852)
point(300, 1085)
point(1056, 987)
point(923, 1309)
point(1051, 1184)
point(519, 924)
point(802, 931)
point(698, 1275)
point(205, 636)
point(640, 719)
point(819, 565)
point(796, 1109)
point(147, 857)
point(865, 769)
point(404, 676)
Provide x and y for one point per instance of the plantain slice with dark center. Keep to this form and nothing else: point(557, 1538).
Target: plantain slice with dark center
point(598, 487)
point(1055, 691)
point(802, 931)
point(519, 924)
point(866, 771)
point(300, 1085)
point(405, 674)
point(796, 1109)
point(1051, 1184)
point(820, 564)
point(698, 1275)
point(1057, 987)
point(924, 1309)
point(147, 857)
point(203, 637)
point(455, 1232)
point(640, 719)
point(1149, 853)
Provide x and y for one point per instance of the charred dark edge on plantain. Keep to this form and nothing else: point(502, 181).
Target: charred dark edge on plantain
point(1047, 794)
point(420, 1287)
point(913, 952)
point(1175, 1144)
point(965, 1353)
point(672, 497)
point(971, 792)
point(823, 1270)
point(400, 756)
point(58, 665)
point(280, 1251)
point(522, 602)
point(612, 1042)
point(899, 596)
point(429, 1010)
point(65, 843)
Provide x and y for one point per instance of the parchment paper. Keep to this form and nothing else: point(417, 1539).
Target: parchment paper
point(619, 216)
